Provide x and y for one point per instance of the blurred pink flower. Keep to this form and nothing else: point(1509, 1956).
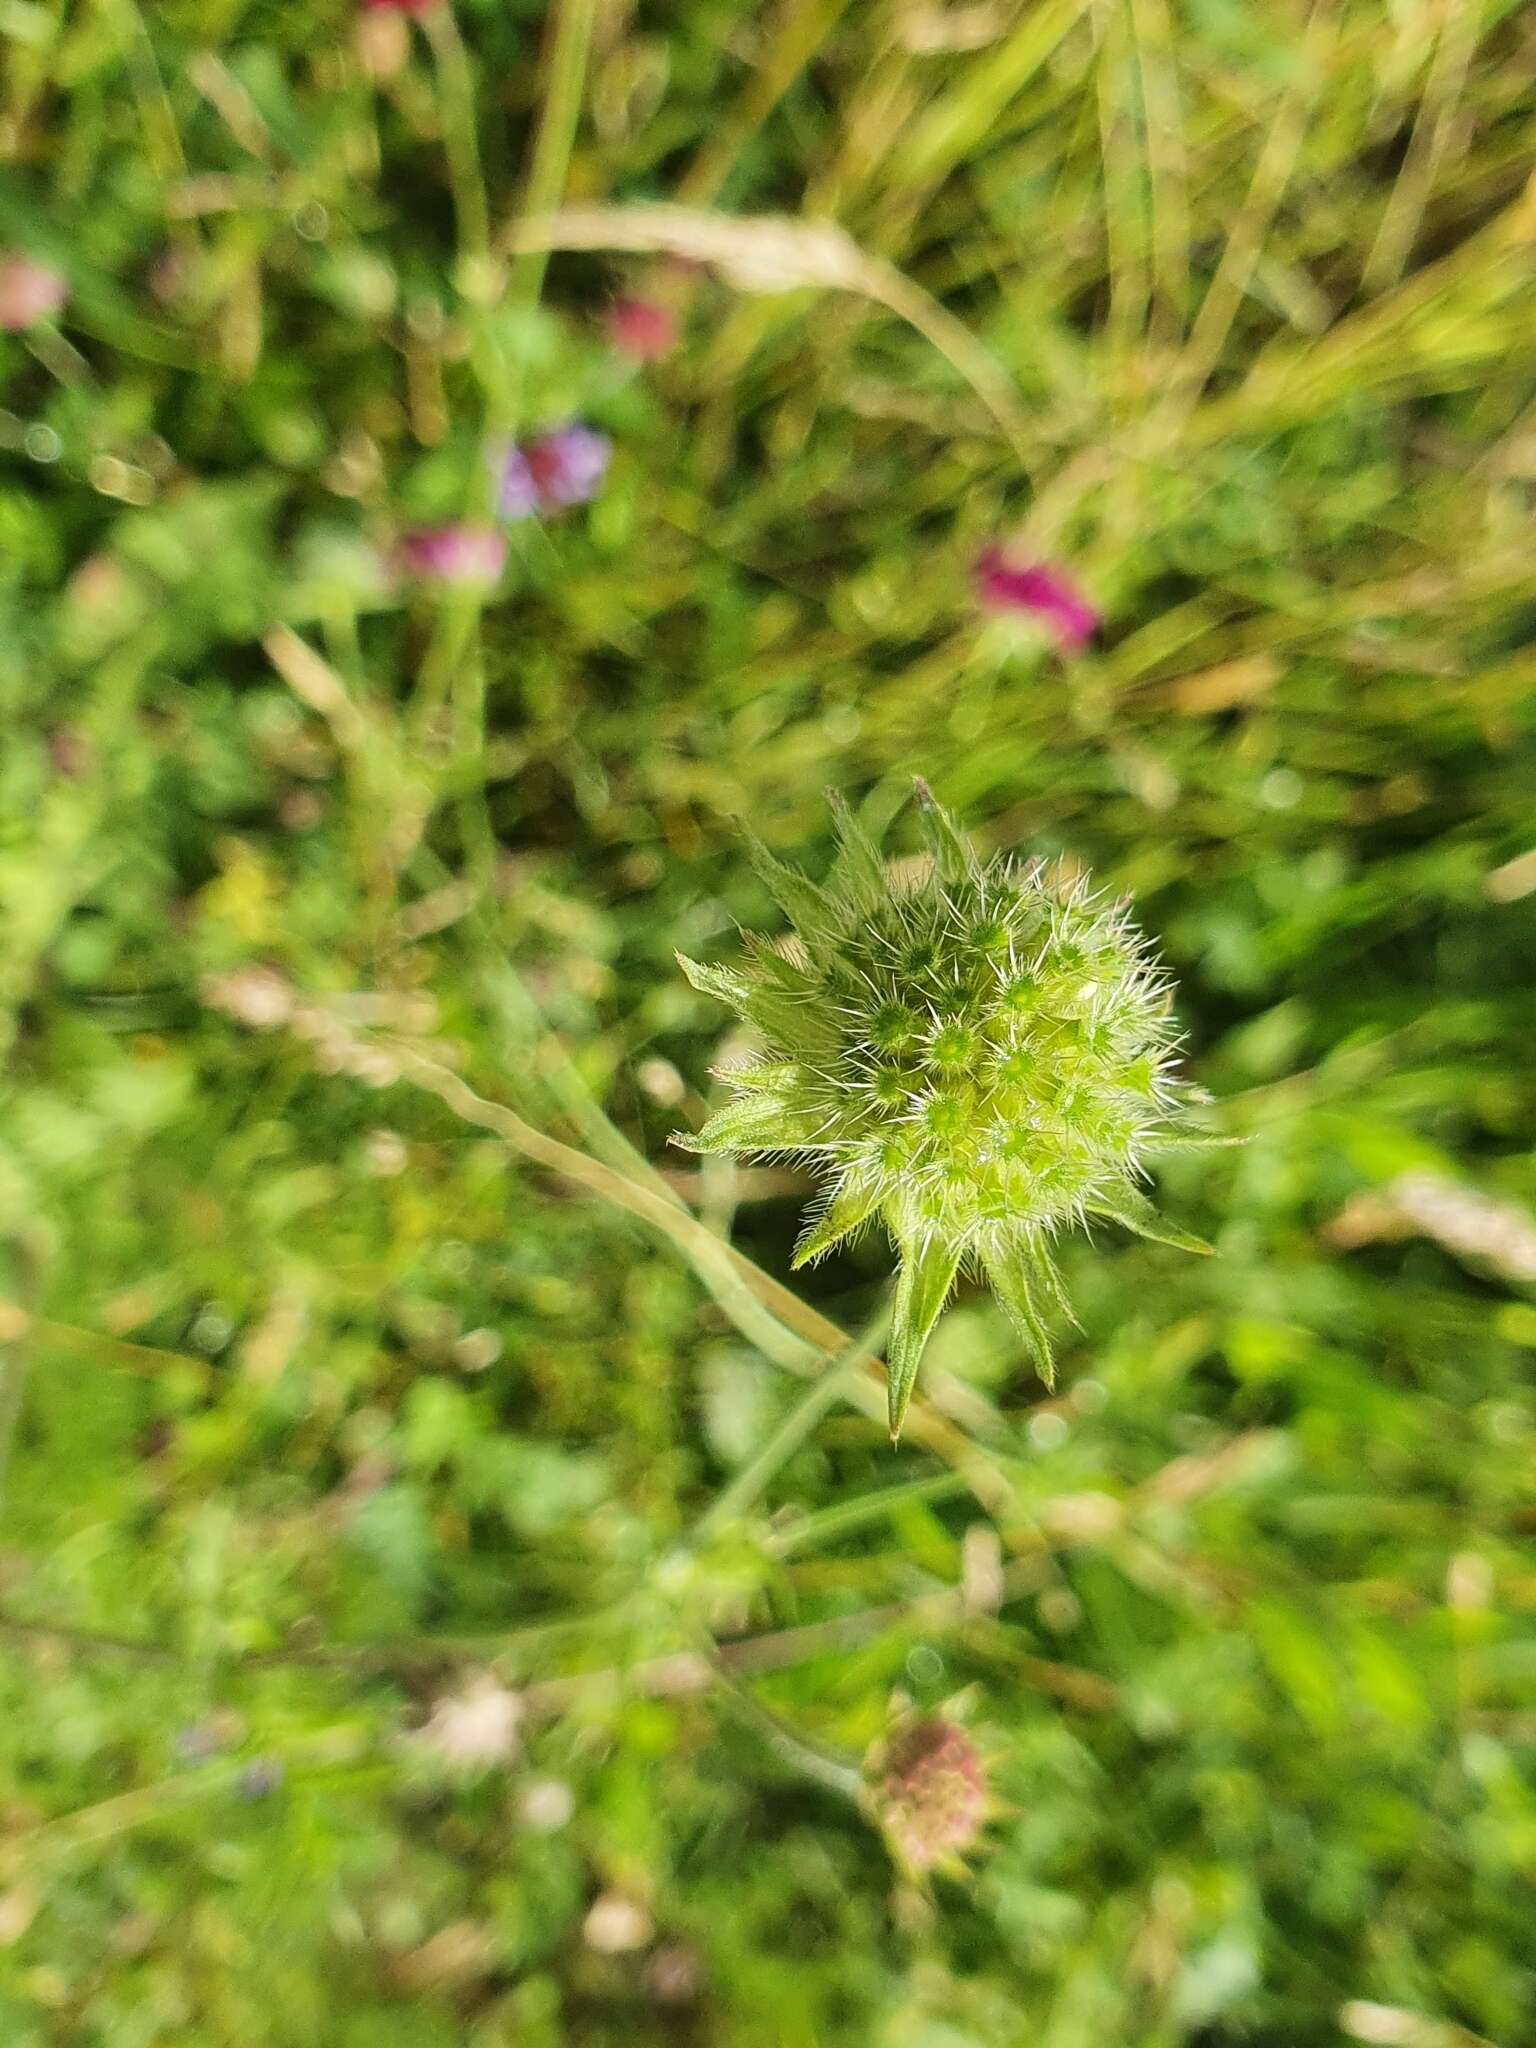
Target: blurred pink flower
point(559, 469)
point(417, 7)
point(29, 292)
point(931, 1798)
point(1046, 593)
point(641, 329)
point(455, 556)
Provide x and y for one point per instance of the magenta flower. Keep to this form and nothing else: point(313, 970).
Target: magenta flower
point(456, 557)
point(1045, 593)
point(641, 329)
point(559, 469)
point(29, 292)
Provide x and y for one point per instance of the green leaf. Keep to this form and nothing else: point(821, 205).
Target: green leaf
point(1131, 1208)
point(923, 1282)
point(851, 1204)
point(1013, 1269)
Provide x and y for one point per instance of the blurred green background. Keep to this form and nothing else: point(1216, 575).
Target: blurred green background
point(362, 1475)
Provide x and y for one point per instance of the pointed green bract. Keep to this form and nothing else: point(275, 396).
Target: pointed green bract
point(1014, 1278)
point(853, 1203)
point(1047, 1280)
point(922, 1287)
point(769, 1077)
point(800, 900)
point(722, 983)
point(1129, 1206)
point(1194, 1141)
point(971, 1052)
point(757, 1123)
point(859, 873)
point(953, 855)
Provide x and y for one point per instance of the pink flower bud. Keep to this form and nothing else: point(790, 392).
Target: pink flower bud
point(453, 556)
point(641, 329)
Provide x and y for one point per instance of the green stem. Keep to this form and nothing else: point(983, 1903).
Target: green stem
point(347, 1747)
point(13, 1362)
point(455, 632)
point(781, 1444)
point(566, 74)
point(461, 140)
point(515, 1007)
point(833, 1772)
point(830, 1524)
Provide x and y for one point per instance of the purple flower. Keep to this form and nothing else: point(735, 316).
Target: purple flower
point(455, 556)
point(259, 1780)
point(517, 495)
point(549, 474)
point(1046, 593)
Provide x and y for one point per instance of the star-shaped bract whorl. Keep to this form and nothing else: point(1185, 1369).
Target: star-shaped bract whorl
point(975, 1054)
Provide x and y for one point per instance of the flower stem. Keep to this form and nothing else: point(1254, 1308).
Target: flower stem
point(825, 1390)
point(565, 74)
point(461, 141)
point(803, 1756)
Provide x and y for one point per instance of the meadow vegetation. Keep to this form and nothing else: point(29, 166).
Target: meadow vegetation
point(456, 1584)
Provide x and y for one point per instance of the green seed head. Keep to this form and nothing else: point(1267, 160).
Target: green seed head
point(968, 1052)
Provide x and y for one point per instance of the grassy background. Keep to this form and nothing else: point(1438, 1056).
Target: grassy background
point(319, 1396)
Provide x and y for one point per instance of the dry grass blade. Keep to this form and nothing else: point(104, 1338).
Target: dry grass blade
point(773, 253)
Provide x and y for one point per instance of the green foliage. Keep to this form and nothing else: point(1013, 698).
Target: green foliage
point(322, 1399)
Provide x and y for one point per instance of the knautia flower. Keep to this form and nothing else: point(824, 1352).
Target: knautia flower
point(972, 1052)
point(1047, 594)
point(928, 1792)
point(552, 473)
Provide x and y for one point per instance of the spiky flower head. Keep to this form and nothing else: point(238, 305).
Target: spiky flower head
point(975, 1053)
